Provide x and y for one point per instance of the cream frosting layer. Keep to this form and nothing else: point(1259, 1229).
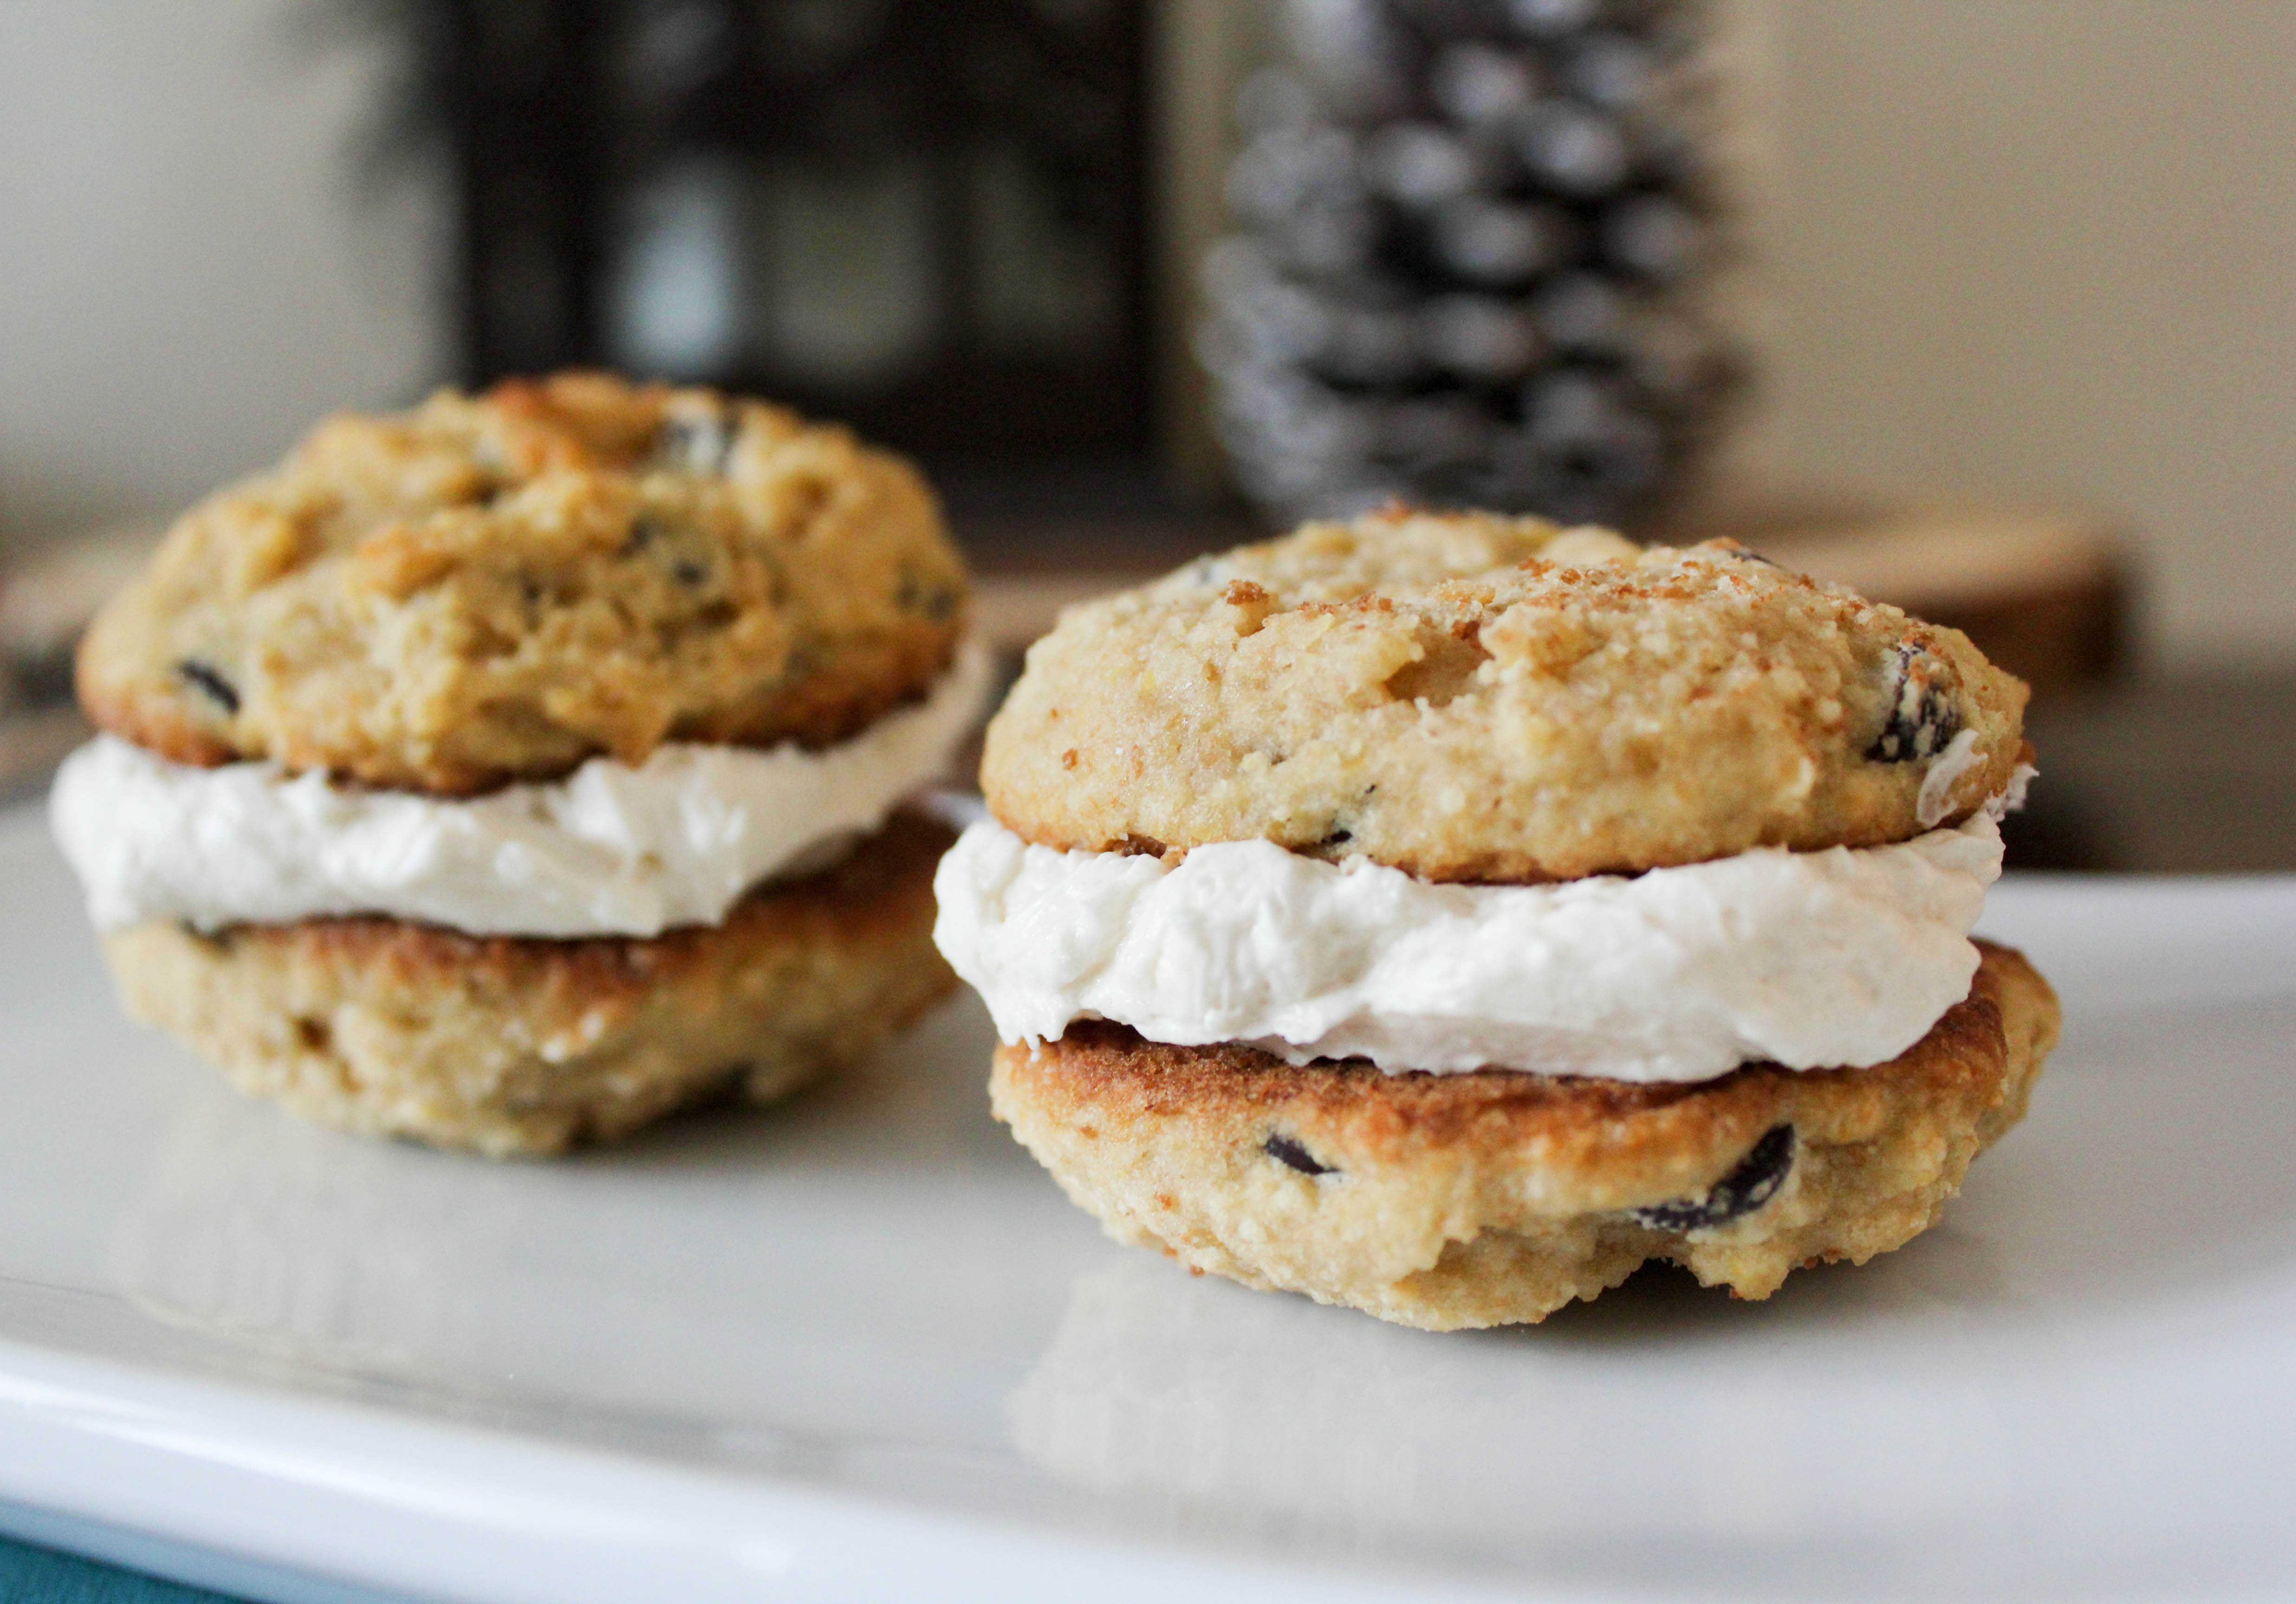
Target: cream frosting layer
point(1811, 960)
point(612, 849)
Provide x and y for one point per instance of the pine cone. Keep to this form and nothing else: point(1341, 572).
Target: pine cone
point(1474, 241)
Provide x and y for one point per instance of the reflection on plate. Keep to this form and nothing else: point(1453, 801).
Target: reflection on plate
point(863, 1336)
point(1898, 1428)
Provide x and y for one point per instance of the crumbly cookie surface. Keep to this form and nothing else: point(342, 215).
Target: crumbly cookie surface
point(1473, 698)
point(509, 1045)
point(1451, 1201)
point(497, 587)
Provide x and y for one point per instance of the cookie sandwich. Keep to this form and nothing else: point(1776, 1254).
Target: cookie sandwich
point(513, 769)
point(1443, 915)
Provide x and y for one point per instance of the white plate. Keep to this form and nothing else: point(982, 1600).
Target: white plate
point(860, 1347)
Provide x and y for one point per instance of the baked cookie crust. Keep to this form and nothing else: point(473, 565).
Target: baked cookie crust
point(1454, 1201)
point(513, 1046)
point(497, 587)
point(1468, 696)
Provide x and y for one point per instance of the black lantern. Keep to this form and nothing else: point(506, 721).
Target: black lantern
point(925, 216)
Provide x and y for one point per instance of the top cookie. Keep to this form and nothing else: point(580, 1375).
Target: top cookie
point(1467, 697)
point(497, 587)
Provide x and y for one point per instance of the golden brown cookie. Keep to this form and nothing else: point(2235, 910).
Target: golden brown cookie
point(523, 1045)
point(1450, 1201)
point(1472, 698)
point(497, 587)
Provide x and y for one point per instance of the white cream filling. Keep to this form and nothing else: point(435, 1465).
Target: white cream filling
point(610, 850)
point(1935, 798)
point(1811, 960)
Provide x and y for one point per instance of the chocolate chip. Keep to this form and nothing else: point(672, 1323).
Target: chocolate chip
point(686, 571)
point(694, 445)
point(935, 601)
point(1285, 1150)
point(219, 689)
point(1745, 1188)
point(1922, 718)
point(1339, 837)
point(641, 535)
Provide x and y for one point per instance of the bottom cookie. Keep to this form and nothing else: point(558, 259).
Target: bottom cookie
point(1458, 1200)
point(510, 1045)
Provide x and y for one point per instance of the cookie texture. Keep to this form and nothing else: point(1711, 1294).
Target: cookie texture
point(497, 587)
point(1467, 697)
point(1453, 1201)
point(511, 1046)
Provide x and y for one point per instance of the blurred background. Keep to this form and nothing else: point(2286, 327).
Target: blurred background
point(1989, 307)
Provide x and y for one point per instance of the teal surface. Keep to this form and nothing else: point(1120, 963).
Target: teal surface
point(39, 1575)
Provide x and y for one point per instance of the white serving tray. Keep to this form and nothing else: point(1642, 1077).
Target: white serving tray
point(859, 1347)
